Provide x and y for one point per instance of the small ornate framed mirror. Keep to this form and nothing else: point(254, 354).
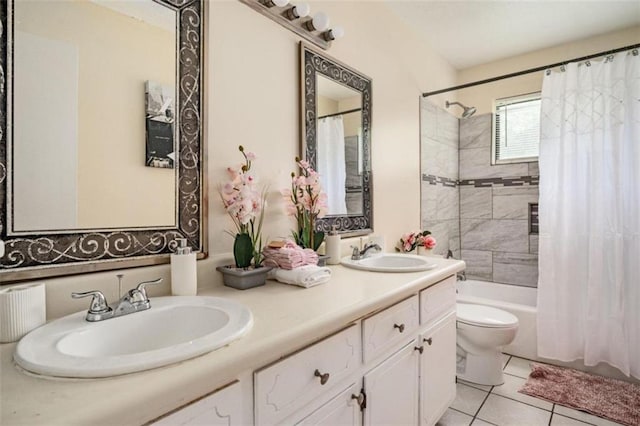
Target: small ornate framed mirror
point(336, 139)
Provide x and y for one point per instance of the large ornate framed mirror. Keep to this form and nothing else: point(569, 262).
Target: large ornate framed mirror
point(101, 135)
point(336, 139)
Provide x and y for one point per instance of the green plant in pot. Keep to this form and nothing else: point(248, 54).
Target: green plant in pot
point(245, 205)
point(306, 201)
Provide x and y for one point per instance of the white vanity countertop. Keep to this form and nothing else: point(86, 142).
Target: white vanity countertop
point(286, 318)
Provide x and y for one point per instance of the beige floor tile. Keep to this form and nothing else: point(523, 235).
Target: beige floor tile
point(454, 418)
point(510, 389)
point(582, 416)
point(468, 399)
point(479, 422)
point(518, 367)
point(507, 412)
point(558, 420)
point(485, 388)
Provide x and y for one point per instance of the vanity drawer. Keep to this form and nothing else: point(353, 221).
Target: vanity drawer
point(438, 300)
point(385, 329)
point(288, 385)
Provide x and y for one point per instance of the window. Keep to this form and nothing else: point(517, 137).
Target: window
point(517, 129)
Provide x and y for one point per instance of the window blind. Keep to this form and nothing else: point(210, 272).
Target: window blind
point(517, 128)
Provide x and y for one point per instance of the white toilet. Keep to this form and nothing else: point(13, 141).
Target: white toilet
point(482, 332)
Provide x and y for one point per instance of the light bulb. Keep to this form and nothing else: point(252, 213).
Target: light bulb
point(320, 21)
point(334, 33)
point(298, 11)
point(302, 10)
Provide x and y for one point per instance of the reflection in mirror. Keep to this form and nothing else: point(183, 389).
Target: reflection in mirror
point(79, 133)
point(336, 139)
point(100, 134)
point(339, 149)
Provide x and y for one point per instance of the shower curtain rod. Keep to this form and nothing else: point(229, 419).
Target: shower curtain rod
point(341, 113)
point(530, 70)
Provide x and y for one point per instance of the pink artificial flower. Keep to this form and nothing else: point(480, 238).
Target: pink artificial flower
point(250, 156)
point(429, 242)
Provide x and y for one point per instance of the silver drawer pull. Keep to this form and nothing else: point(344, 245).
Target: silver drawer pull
point(429, 341)
point(359, 398)
point(399, 327)
point(324, 378)
point(419, 349)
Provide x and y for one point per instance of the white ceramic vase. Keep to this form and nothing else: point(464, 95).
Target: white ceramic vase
point(423, 251)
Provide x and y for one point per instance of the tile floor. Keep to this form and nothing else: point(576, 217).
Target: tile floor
point(502, 405)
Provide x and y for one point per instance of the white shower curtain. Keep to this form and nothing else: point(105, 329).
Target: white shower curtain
point(589, 213)
point(331, 163)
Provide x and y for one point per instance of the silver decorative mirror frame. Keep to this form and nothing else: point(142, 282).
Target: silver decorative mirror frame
point(314, 62)
point(37, 255)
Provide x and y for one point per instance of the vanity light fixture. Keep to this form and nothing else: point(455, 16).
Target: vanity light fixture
point(272, 3)
point(297, 11)
point(294, 16)
point(333, 34)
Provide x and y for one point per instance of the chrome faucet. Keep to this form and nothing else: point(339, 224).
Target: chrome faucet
point(357, 254)
point(134, 300)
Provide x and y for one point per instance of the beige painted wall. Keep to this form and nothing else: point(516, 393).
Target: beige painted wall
point(115, 189)
point(254, 61)
point(482, 96)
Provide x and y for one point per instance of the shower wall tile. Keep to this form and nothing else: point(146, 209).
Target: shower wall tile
point(475, 132)
point(447, 132)
point(479, 264)
point(475, 203)
point(495, 235)
point(533, 244)
point(514, 268)
point(476, 234)
point(510, 236)
point(428, 201)
point(534, 169)
point(438, 159)
point(428, 119)
point(448, 203)
point(475, 163)
point(513, 202)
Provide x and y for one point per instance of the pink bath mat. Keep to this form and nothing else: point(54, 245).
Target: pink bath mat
point(616, 400)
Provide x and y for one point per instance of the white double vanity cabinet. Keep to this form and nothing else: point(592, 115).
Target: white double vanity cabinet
point(394, 366)
point(365, 348)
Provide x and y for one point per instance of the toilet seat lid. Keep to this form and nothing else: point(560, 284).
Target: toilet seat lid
point(484, 316)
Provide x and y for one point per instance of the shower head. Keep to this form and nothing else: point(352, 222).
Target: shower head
point(467, 111)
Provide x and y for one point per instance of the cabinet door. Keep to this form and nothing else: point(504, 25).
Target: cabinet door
point(438, 370)
point(392, 389)
point(343, 410)
point(222, 408)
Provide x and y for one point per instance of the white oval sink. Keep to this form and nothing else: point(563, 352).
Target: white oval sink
point(174, 329)
point(390, 262)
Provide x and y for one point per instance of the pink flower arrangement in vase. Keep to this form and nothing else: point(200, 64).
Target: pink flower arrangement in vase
point(306, 201)
point(245, 205)
point(412, 240)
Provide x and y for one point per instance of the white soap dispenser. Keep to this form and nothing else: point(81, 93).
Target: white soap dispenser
point(333, 246)
point(184, 274)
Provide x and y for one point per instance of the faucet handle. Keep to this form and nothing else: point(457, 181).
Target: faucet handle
point(98, 303)
point(141, 288)
point(355, 253)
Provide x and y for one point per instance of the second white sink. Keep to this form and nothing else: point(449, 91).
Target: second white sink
point(391, 262)
point(174, 329)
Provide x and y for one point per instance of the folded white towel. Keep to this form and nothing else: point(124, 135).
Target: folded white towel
point(304, 276)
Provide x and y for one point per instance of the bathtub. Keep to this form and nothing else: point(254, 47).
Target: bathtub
point(520, 301)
